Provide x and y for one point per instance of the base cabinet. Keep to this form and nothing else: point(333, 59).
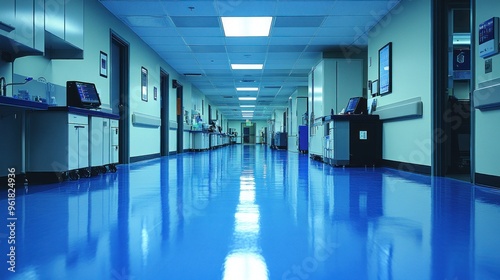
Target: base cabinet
point(200, 140)
point(353, 140)
point(59, 142)
point(67, 145)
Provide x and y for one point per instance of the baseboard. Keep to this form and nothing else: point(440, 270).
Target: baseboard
point(144, 157)
point(405, 166)
point(20, 179)
point(172, 153)
point(487, 180)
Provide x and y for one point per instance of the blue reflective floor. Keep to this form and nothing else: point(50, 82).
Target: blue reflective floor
point(247, 212)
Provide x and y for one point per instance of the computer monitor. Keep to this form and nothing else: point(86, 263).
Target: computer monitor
point(356, 106)
point(82, 95)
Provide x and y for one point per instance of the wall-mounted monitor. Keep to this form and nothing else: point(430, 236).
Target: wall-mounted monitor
point(488, 37)
point(356, 106)
point(82, 95)
point(385, 69)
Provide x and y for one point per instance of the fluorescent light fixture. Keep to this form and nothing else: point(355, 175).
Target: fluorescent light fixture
point(247, 112)
point(247, 88)
point(247, 66)
point(247, 106)
point(246, 26)
point(247, 98)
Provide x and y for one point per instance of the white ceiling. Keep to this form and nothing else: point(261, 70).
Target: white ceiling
point(188, 35)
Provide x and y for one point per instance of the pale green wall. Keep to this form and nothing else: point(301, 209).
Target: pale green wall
point(487, 151)
point(408, 27)
point(98, 24)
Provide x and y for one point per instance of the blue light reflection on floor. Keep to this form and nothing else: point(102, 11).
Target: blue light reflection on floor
point(247, 212)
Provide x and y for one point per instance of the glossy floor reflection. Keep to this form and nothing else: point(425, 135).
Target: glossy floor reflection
point(246, 212)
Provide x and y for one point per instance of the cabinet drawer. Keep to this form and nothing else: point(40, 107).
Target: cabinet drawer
point(78, 119)
point(113, 123)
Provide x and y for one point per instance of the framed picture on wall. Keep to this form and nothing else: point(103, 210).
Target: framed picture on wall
point(144, 84)
point(103, 64)
point(385, 69)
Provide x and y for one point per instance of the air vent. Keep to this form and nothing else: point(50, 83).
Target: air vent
point(192, 74)
point(227, 96)
point(247, 81)
point(275, 87)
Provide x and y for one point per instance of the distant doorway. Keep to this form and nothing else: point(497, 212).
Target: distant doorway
point(248, 133)
point(164, 146)
point(180, 116)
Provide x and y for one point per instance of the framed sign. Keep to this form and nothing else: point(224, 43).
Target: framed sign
point(385, 69)
point(144, 84)
point(103, 64)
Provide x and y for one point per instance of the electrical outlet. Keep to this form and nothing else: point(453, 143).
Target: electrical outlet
point(488, 66)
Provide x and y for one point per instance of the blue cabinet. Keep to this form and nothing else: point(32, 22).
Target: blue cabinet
point(303, 138)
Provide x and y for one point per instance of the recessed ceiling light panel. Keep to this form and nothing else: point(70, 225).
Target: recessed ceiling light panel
point(246, 26)
point(247, 88)
point(247, 98)
point(236, 66)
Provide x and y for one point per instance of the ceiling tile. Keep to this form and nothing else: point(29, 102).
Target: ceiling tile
point(204, 40)
point(298, 21)
point(286, 48)
point(195, 21)
point(294, 32)
point(207, 48)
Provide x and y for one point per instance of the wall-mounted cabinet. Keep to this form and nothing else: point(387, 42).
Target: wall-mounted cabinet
point(64, 29)
point(21, 28)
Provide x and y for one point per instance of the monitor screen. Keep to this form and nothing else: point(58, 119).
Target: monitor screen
point(351, 106)
point(356, 105)
point(81, 94)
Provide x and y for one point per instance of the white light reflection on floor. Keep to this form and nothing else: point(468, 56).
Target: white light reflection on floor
point(245, 260)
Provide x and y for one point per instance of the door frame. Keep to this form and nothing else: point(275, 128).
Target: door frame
point(124, 106)
point(164, 113)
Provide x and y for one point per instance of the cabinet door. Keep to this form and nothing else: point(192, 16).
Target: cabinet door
point(114, 142)
point(74, 18)
point(96, 140)
point(54, 17)
point(106, 142)
point(83, 146)
point(24, 22)
point(7, 15)
point(73, 146)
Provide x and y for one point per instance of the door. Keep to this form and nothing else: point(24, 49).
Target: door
point(249, 133)
point(164, 77)
point(180, 116)
point(246, 135)
point(119, 73)
point(452, 83)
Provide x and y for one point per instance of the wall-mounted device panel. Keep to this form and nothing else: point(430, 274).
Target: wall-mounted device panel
point(488, 37)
